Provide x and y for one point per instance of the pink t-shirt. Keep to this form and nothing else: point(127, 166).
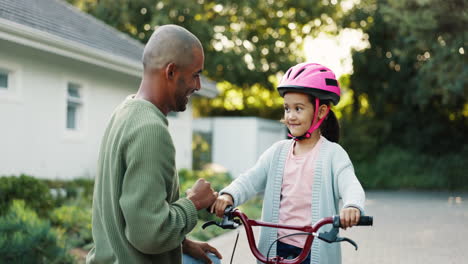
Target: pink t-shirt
point(296, 194)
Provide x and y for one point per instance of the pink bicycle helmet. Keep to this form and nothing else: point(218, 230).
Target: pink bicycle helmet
point(313, 79)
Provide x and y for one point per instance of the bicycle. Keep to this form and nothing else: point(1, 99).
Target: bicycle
point(231, 221)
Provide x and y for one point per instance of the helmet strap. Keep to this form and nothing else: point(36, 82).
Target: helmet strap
point(315, 124)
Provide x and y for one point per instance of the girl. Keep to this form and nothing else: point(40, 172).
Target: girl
point(303, 178)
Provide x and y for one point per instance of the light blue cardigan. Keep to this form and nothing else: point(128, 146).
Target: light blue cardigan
point(334, 178)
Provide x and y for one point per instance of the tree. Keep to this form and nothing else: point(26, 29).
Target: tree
point(246, 42)
point(413, 77)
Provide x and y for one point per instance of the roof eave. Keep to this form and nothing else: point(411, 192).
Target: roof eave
point(41, 40)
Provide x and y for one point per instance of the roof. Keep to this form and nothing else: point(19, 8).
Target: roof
point(61, 19)
point(58, 27)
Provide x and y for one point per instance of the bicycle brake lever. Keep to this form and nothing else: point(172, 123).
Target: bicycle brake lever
point(341, 239)
point(332, 237)
point(229, 223)
point(207, 224)
point(226, 223)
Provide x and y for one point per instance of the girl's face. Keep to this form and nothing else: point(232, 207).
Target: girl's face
point(298, 113)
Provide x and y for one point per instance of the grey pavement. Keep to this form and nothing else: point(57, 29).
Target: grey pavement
point(410, 227)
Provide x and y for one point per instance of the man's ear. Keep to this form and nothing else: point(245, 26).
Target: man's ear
point(170, 70)
point(322, 111)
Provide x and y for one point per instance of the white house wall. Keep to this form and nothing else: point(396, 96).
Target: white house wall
point(237, 142)
point(234, 145)
point(180, 128)
point(33, 135)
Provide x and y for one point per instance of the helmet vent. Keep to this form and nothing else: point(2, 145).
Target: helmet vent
point(322, 70)
point(289, 72)
point(331, 82)
point(303, 69)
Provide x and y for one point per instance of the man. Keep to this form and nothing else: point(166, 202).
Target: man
point(138, 216)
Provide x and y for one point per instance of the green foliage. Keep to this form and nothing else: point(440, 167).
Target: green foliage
point(71, 219)
point(414, 74)
point(245, 41)
point(34, 192)
point(397, 168)
point(74, 222)
point(200, 234)
point(236, 101)
point(201, 150)
point(76, 189)
point(361, 138)
point(24, 238)
point(188, 177)
point(218, 181)
point(86, 187)
point(252, 208)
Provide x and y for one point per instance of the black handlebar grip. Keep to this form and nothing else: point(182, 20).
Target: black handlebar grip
point(365, 221)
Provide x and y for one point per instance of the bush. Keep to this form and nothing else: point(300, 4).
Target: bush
point(201, 149)
point(86, 187)
point(252, 208)
point(361, 138)
point(396, 168)
point(77, 189)
point(187, 179)
point(24, 238)
point(75, 223)
point(34, 192)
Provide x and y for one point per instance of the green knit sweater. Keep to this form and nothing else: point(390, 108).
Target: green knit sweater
point(137, 214)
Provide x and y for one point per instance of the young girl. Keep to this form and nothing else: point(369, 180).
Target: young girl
point(302, 178)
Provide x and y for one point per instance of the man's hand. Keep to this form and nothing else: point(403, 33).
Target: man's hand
point(220, 204)
point(201, 194)
point(199, 250)
point(349, 217)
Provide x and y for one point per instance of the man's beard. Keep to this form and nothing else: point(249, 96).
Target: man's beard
point(181, 104)
point(181, 99)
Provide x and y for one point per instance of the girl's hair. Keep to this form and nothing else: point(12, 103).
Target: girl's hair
point(330, 128)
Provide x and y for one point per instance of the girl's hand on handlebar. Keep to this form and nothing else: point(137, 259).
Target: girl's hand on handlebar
point(349, 217)
point(220, 204)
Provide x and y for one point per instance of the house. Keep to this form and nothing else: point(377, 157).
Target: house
point(237, 142)
point(62, 72)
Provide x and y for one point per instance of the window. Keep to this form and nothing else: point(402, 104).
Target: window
point(10, 82)
point(74, 106)
point(3, 79)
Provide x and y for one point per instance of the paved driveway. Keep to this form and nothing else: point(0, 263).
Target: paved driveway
point(409, 228)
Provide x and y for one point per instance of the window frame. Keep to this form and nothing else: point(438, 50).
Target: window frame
point(8, 81)
point(79, 132)
point(77, 102)
point(12, 93)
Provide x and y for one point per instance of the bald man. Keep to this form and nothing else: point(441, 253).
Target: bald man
point(138, 216)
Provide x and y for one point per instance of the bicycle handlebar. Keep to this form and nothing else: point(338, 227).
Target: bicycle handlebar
point(228, 222)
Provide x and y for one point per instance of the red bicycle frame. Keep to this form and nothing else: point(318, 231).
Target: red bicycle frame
point(229, 222)
point(248, 224)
